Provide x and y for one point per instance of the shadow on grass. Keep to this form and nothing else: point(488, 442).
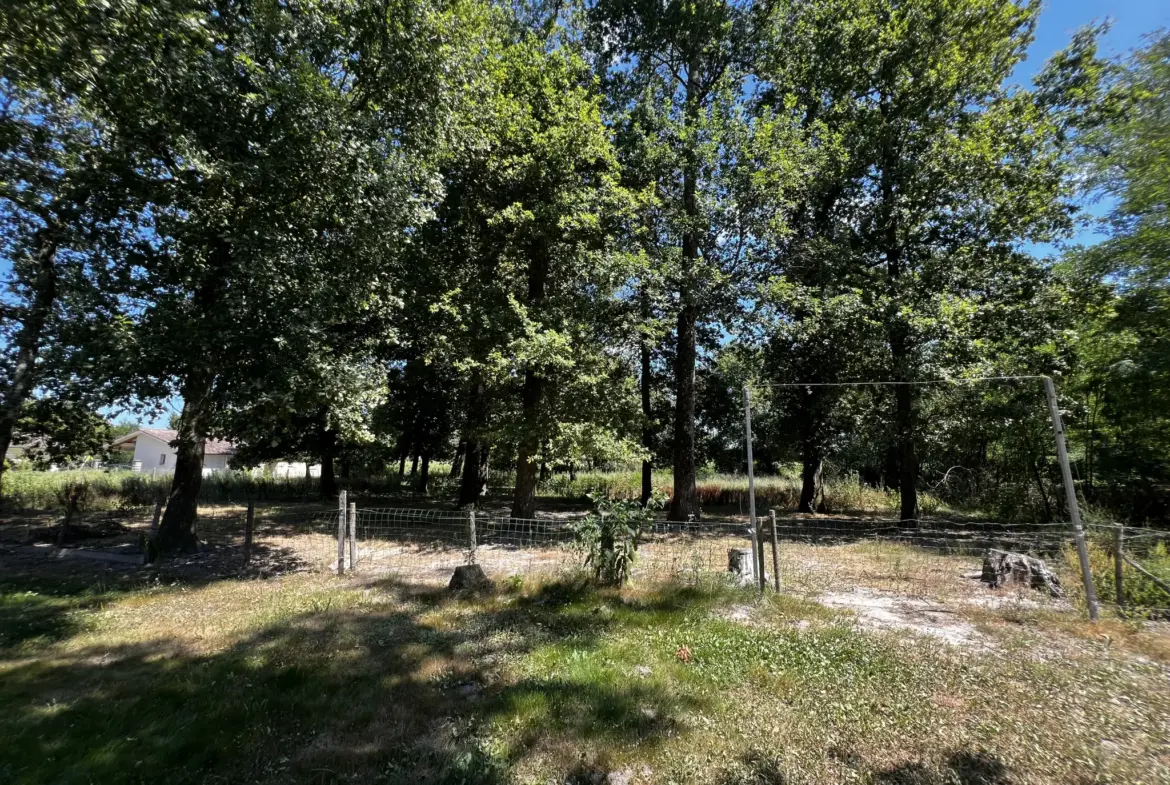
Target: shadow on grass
point(964, 767)
point(961, 767)
point(403, 690)
point(36, 610)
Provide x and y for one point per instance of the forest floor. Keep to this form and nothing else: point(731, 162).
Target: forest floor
point(877, 664)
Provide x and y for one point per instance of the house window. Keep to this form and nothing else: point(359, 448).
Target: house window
point(162, 459)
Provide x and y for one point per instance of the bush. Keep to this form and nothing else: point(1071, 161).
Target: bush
point(611, 535)
point(1142, 595)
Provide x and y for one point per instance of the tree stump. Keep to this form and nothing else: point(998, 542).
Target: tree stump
point(1005, 568)
point(470, 579)
point(741, 565)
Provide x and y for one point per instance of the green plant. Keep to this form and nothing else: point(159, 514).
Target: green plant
point(610, 536)
point(1143, 596)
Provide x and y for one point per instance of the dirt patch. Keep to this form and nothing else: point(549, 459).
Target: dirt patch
point(888, 612)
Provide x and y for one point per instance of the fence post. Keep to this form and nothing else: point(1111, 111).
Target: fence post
point(1119, 565)
point(775, 552)
point(341, 533)
point(248, 523)
point(1070, 494)
point(352, 535)
point(757, 541)
point(471, 536)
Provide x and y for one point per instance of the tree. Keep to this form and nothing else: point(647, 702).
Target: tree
point(294, 142)
point(674, 75)
point(959, 170)
point(62, 431)
point(70, 202)
point(1122, 283)
point(518, 262)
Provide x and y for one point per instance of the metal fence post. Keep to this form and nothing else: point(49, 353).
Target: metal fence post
point(775, 552)
point(1070, 493)
point(757, 541)
point(1119, 565)
point(341, 508)
point(471, 536)
point(352, 535)
point(248, 524)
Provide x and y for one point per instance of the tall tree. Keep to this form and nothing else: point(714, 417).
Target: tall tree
point(70, 206)
point(674, 74)
point(960, 169)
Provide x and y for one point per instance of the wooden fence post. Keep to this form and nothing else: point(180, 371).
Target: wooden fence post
point(248, 523)
point(1119, 565)
point(341, 534)
point(471, 536)
point(775, 553)
point(353, 535)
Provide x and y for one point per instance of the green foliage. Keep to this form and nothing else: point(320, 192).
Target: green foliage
point(59, 432)
point(610, 536)
point(1143, 597)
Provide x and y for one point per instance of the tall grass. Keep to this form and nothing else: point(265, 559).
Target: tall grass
point(101, 490)
point(731, 490)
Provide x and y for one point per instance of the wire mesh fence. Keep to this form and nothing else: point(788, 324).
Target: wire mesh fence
point(936, 560)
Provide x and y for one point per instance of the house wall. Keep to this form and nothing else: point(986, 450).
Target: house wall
point(158, 457)
point(285, 469)
point(148, 450)
point(215, 463)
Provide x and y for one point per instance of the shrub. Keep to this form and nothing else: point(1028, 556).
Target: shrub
point(1142, 595)
point(611, 535)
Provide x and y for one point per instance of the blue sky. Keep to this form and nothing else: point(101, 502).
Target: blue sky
point(1059, 19)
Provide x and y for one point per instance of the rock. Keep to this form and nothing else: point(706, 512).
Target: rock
point(741, 565)
point(470, 578)
point(642, 670)
point(623, 777)
point(1005, 568)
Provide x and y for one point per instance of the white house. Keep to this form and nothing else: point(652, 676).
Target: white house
point(149, 450)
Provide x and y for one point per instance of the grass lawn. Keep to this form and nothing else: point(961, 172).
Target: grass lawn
point(311, 679)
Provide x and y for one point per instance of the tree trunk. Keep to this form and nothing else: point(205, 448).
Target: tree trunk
point(811, 475)
point(684, 503)
point(402, 466)
point(897, 328)
point(328, 476)
point(647, 425)
point(28, 339)
point(524, 497)
point(811, 454)
point(545, 473)
point(414, 465)
point(176, 531)
point(475, 457)
point(457, 461)
point(907, 458)
point(1040, 487)
point(424, 477)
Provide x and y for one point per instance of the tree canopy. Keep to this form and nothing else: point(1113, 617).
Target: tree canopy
point(525, 238)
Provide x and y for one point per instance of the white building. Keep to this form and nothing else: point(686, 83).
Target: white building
point(149, 450)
